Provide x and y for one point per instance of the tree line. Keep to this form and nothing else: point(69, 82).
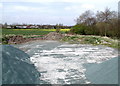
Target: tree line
point(103, 23)
point(33, 26)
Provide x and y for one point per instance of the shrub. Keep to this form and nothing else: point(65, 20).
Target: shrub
point(79, 29)
point(5, 40)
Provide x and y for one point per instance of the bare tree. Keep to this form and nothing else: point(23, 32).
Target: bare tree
point(90, 21)
point(86, 18)
point(106, 17)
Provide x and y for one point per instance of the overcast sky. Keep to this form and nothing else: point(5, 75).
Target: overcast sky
point(50, 11)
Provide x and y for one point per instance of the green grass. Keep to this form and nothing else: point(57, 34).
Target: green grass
point(25, 32)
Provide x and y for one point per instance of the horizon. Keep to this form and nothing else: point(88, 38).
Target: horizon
point(50, 12)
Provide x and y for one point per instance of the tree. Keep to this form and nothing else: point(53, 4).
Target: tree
point(58, 27)
point(86, 18)
point(104, 23)
point(5, 25)
point(106, 17)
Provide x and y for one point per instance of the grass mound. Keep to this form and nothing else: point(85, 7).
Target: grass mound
point(95, 40)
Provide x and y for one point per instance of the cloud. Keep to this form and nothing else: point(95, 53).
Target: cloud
point(27, 8)
point(88, 6)
point(0, 5)
point(72, 7)
point(27, 0)
point(73, 1)
point(22, 8)
point(77, 9)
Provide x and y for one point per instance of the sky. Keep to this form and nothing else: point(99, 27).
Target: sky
point(50, 11)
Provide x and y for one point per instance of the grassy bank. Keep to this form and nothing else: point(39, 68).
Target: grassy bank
point(95, 40)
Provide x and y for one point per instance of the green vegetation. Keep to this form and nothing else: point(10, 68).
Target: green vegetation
point(5, 40)
point(29, 31)
point(101, 28)
point(84, 30)
point(103, 23)
point(95, 40)
point(24, 32)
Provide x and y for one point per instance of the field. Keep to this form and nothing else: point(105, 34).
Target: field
point(29, 32)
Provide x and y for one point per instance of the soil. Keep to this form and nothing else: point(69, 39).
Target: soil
point(19, 39)
point(53, 36)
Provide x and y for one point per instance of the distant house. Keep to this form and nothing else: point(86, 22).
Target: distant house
point(33, 26)
point(28, 26)
point(20, 26)
point(36, 27)
point(24, 27)
point(9, 27)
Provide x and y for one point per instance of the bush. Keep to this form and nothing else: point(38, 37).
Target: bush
point(84, 30)
point(79, 29)
point(5, 40)
point(92, 40)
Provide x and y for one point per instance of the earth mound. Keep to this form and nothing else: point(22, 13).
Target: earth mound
point(20, 39)
point(53, 36)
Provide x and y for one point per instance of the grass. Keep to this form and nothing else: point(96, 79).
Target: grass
point(29, 31)
point(95, 40)
point(24, 32)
